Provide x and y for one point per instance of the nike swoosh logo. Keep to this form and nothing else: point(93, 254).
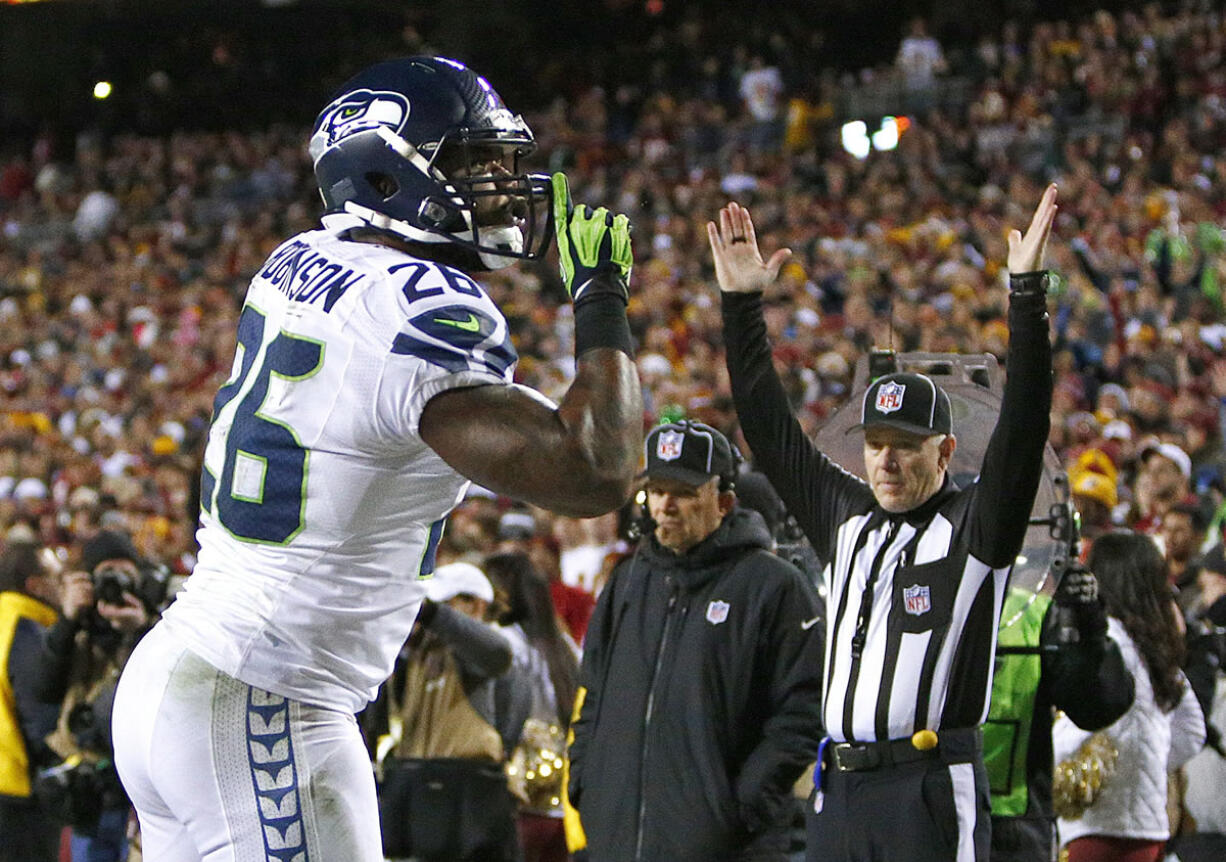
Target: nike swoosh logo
point(470, 325)
point(808, 624)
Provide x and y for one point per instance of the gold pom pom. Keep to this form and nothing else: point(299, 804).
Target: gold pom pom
point(1078, 781)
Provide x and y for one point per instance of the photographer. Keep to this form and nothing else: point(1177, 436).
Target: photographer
point(107, 607)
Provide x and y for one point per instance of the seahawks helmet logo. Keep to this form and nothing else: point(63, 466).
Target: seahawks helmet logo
point(361, 111)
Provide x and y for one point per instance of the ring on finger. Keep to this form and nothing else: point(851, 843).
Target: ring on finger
point(737, 239)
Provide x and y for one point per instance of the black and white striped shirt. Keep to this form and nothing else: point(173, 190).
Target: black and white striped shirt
point(923, 657)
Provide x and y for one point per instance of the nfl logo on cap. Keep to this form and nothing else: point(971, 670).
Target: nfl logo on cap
point(688, 452)
point(889, 397)
point(668, 447)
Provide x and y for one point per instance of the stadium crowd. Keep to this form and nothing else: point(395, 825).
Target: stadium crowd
point(124, 258)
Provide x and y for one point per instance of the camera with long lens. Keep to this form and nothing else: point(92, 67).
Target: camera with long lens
point(76, 791)
point(112, 580)
point(87, 729)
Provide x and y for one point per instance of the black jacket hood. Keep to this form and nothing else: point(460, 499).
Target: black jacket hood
point(742, 530)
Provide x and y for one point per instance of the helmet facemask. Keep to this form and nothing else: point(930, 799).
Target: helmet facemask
point(501, 213)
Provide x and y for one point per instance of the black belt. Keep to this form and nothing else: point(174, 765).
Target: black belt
point(863, 756)
point(953, 745)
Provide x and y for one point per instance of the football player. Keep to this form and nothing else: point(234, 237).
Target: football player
point(372, 382)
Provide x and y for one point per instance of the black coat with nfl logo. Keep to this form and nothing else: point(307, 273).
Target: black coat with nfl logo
point(703, 692)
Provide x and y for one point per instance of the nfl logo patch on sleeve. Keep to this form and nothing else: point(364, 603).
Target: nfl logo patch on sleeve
point(717, 612)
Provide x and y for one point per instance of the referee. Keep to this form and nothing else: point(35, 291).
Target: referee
point(916, 567)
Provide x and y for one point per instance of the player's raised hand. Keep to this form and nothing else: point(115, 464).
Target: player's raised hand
point(590, 243)
point(739, 267)
point(1026, 253)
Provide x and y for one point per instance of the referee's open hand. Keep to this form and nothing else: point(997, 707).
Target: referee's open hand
point(1026, 253)
point(739, 267)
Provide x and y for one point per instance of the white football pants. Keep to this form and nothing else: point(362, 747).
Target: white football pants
point(220, 771)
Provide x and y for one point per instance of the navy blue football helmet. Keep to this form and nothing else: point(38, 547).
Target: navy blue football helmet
point(408, 146)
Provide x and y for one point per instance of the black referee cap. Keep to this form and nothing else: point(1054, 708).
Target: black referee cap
point(907, 401)
point(690, 452)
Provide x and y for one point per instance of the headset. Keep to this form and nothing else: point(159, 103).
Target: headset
point(643, 524)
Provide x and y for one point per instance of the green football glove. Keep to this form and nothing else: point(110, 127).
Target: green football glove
point(591, 244)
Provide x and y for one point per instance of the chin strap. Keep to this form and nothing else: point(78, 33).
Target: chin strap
point(510, 238)
point(356, 215)
point(382, 221)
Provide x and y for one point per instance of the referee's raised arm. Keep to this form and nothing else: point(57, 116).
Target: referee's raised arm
point(817, 492)
point(1012, 463)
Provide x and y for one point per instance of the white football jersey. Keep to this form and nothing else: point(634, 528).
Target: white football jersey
point(321, 507)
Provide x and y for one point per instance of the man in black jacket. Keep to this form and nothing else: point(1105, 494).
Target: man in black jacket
point(701, 671)
point(916, 567)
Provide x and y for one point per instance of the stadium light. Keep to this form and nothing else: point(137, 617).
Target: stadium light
point(858, 141)
point(886, 138)
point(102, 90)
point(855, 139)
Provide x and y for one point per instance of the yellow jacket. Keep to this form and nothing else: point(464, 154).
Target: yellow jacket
point(14, 759)
point(576, 839)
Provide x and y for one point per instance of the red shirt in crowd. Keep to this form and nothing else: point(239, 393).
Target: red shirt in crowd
point(574, 606)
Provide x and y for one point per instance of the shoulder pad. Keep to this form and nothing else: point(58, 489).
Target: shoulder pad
point(458, 338)
point(450, 321)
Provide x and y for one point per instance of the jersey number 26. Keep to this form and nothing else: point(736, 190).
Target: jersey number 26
point(262, 488)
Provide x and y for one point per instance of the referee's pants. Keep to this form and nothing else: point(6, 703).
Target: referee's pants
point(929, 810)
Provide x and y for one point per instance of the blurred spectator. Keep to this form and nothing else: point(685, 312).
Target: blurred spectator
point(1162, 480)
point(28, 596)
point(516, 530)
point(15, 178)
point(754, 491)
point(96, 212)
point(1181, 533)
point(1206, 772)
point(549, 665)
point(1210, 587)
point(583, 544)
point(573, 604)
point(1205, 617)
point(919, 60)
point(1159, 733)
point(1095, 496)
point(761, 89)
point(444, 792)
point(472, 526)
